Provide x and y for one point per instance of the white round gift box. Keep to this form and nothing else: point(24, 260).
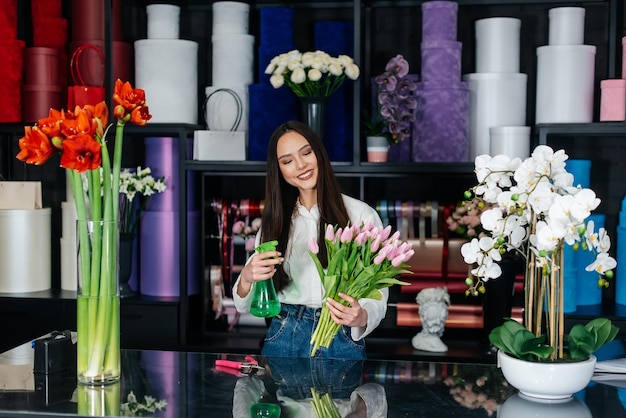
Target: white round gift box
point(25, 255)
point(565, 83)
point(498, 45)
point(567, 26)
point(163, 21)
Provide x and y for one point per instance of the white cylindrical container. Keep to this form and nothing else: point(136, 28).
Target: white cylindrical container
point(163, 21)
point(233, 60)
point(167, 69)
point(498, 45)
point(230, 17)
point(496, 99)
point(512, 141)
point(69, 273)
point(23, 233)
point(567, 26)
point(565, 83)
point(68, 219)
point(220, 110)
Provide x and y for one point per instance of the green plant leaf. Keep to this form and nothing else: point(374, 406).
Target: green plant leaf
point(603, 330)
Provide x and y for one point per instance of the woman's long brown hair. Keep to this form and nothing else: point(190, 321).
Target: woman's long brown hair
point(281, 197)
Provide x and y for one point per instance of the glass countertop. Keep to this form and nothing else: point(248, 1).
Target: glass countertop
point(192, 385)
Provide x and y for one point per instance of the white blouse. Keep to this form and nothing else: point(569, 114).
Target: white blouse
point(305, 287)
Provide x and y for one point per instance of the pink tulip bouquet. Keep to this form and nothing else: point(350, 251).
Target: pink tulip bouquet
point(361, 261)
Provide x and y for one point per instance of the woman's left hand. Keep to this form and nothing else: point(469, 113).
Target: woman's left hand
point(352, 315)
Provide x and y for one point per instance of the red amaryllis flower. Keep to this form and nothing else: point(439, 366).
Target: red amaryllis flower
point(127, 100)
point(35, 146)
point(81, 153)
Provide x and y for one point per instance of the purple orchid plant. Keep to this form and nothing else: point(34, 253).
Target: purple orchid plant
point(396, 99)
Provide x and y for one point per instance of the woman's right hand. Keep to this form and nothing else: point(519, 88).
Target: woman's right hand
point(261, 266)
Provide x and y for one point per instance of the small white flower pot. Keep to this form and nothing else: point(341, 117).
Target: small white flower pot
point(377, 149)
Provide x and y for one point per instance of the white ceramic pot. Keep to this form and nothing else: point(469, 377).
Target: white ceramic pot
point(517, 406)
point(546, 380)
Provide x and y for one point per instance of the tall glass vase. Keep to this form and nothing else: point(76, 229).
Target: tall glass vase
point(313, 113)
point(98, 302)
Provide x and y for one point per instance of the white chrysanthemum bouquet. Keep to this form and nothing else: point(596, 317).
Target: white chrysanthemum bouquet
point(361, 261)
point(136, 187)
point(311, 74)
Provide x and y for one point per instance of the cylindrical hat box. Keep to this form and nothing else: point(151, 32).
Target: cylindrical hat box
point(565, 83)
point(581, 170)
point(498, 45)
point(37, 100)
point(163, 21)
point(167, 69)
point(624, 57)
point(439, 20)
point(11, 80)
point(41, 65)
point(23, 232)
point(87, 20)
point(441, 127)
point(48, 8)
point(68, 219)
point(497, 99)
point(512, 141)
point(567, 26)
point(613, 100)
point(8, 19)
point(441, 61)
point(50, 32)
point(230, 18)
point(233, 60)
point(123, 61)
point(69, 272)
point(220, 110)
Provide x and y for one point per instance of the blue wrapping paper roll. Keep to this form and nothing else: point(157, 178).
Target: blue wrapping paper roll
point(337, 38)
point(276, 37)
point(581, 170)
point(570, 274)
point(620, 279)
point(269, 107)
point(587, 291)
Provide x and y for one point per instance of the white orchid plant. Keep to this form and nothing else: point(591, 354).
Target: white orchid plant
point(311, 74)
point(536, 210)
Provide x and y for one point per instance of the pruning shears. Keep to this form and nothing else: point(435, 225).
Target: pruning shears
point(248, 367)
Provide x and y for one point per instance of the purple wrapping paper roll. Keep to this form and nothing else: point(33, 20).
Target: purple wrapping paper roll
point(441, 130)
point(160, 261)
point(162, 370)
point(439, 20)
point(441, 60)
point(162, 158)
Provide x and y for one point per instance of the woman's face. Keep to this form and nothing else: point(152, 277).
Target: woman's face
point(297, 161)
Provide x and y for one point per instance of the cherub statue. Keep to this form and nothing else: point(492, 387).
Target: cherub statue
point(433, 309)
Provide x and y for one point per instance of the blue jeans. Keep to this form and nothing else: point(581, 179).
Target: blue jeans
point(290, 331)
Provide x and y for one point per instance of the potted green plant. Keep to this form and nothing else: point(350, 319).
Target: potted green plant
point(537, 211)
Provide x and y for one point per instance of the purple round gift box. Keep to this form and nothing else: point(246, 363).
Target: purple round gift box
point(439, 20)
point(441, 60)
point(441, 130)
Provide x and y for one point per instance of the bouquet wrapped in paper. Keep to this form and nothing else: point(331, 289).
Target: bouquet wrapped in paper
point(361, 261)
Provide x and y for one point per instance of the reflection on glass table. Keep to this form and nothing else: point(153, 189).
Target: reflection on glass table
point(188, 384)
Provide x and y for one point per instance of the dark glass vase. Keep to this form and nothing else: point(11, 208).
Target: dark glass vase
point(313, 113)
